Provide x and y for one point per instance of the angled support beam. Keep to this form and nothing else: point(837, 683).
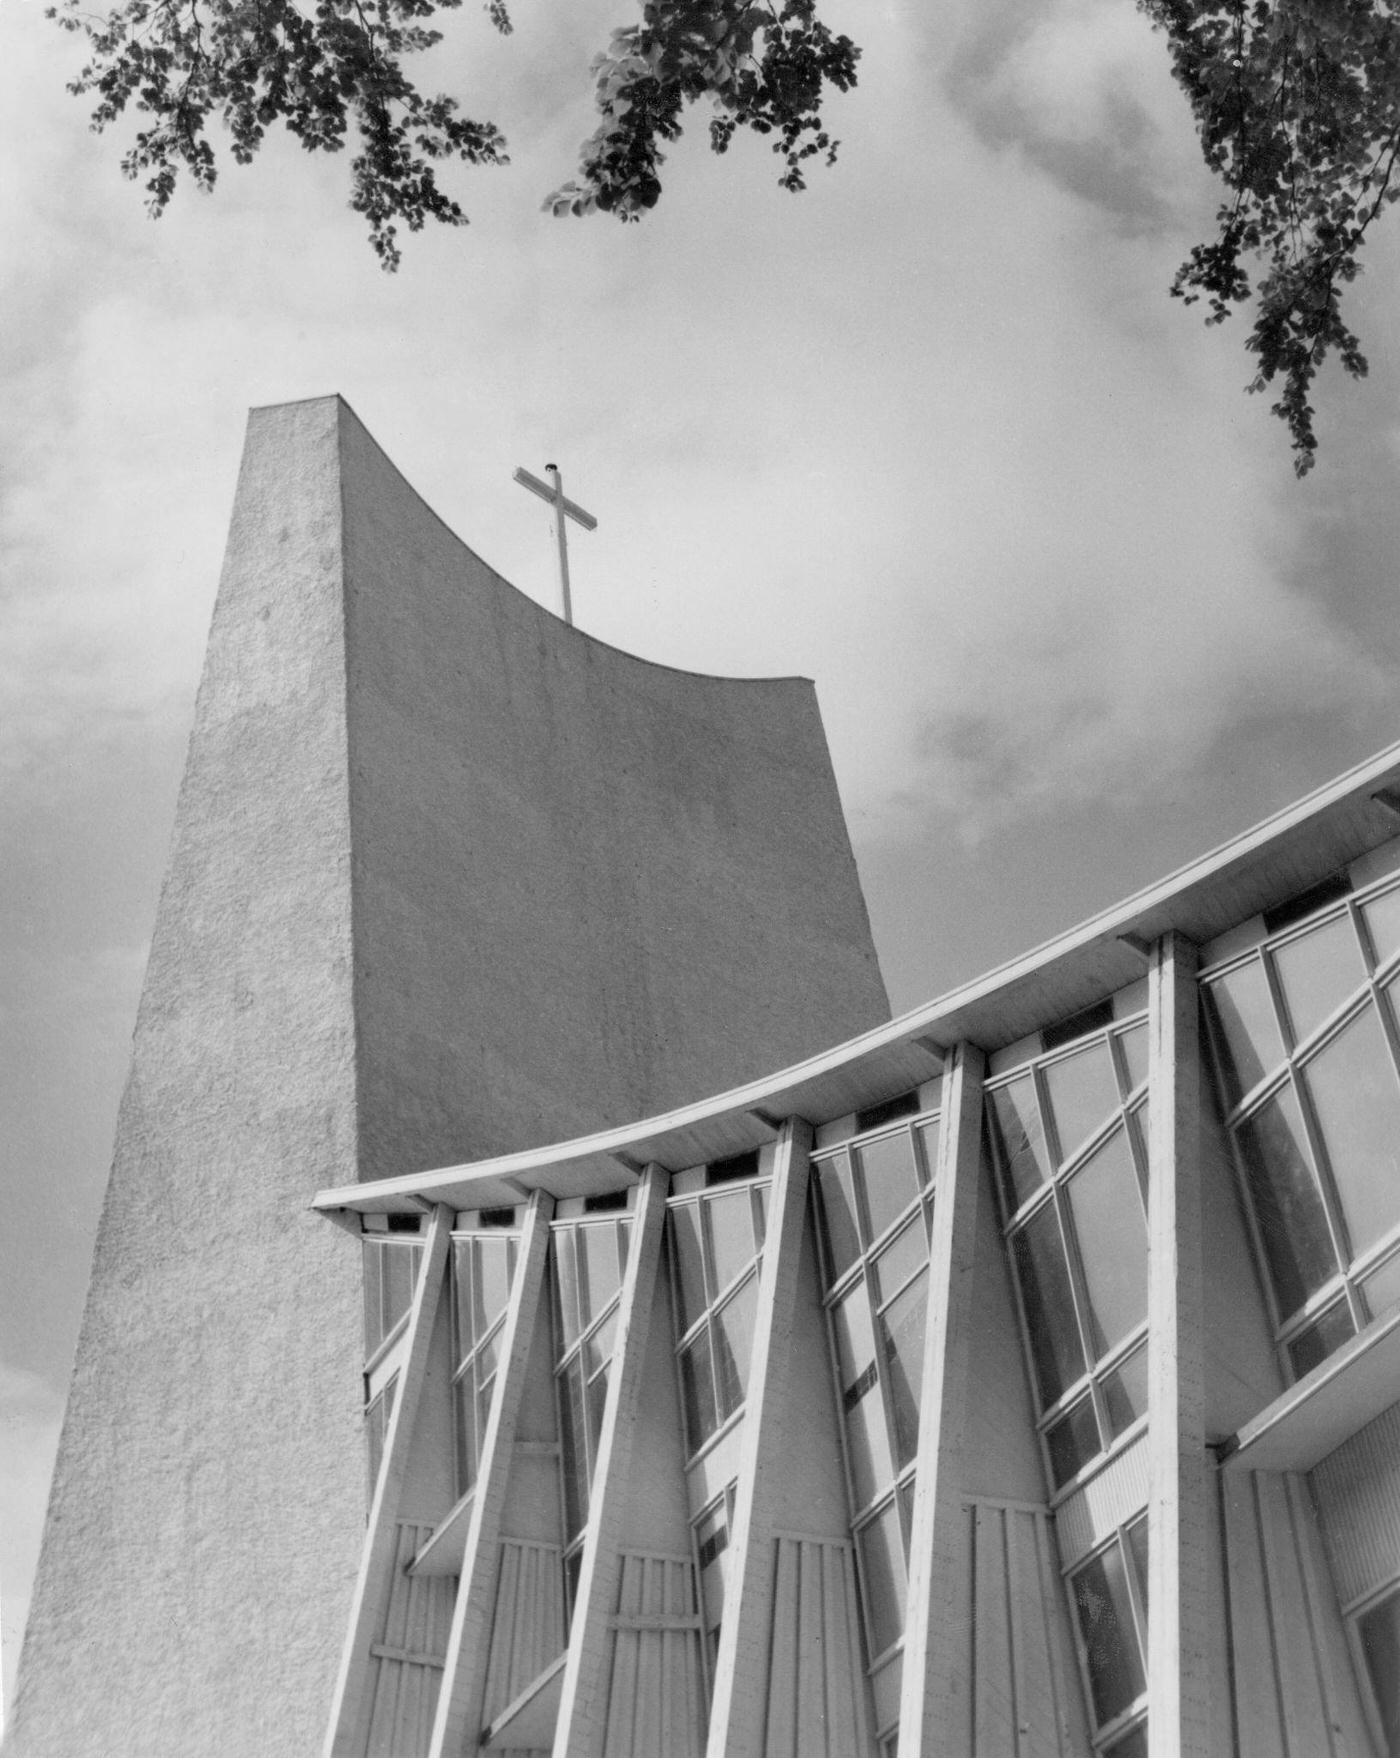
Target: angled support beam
point(741, 1666)
point(346, 1733)
point(934, 1684)
point(461, 1699)
point(583, 1705)
point(1181, 1505)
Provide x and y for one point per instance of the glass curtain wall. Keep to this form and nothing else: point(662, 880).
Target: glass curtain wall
point(874, 1206)
point(483, 1263)
point(715, 1239)
point(392, 1252)
point(1303, 1036)
point(588, 1259)
point(1068, 1138)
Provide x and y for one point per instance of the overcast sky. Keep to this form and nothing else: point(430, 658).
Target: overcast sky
point(932, 434)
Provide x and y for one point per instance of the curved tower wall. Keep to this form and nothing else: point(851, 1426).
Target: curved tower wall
point(448, 878)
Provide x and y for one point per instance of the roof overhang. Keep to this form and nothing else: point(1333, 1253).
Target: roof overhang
point(1286, 853)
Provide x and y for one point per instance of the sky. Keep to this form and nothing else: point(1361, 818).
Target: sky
point(932, 434)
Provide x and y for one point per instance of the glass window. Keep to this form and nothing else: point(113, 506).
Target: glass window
point(689, 1262)
point(731, 1336)
point(1356, 1101)
point(1039, 1256)
point(881, 1545)
point(1317, 971)
point(890, 1177)
point(587, 1260)
point(1378, 1633)
point(836, 1211)
point(1108, 1630)
point(1072, 1440)
point(1112, 1233)
point(730, 1219)
point(1083, 1094)
point(1247, 1040)
point(902, 1339)
point(1287, 1203)
point(1315, 1342)
point(390, 1274)
point(1125, 1392)
point(1383, 1288)
point(1382, 916)
point(1132, 1047)
point(1014, 1119)
point(716, 1245)
point(867, 1434)
point(905, 1254)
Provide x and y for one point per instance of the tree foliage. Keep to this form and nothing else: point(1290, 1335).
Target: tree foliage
point(1297, 103)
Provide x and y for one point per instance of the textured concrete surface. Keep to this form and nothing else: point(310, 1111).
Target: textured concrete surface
point(447, 878)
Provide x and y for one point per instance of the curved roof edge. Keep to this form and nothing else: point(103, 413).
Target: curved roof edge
point(1279, 857)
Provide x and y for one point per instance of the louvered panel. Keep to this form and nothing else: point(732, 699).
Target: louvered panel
point(1358, 1498)
point(656, 1702)
point(406, 1660)
point(1088, 1516)
point(527, 1632)
point(817, 1693)
point(1024, 1695)
point(1295, 1688)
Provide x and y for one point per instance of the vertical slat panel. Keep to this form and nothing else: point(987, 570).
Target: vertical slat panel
point(1342, 1702)
point(811, 1694)
point(1251, 1625)
point(1358, 1497)
point(783, 1670)
point(1306, 1728)
point(1036, 1735)
point(994, 1721)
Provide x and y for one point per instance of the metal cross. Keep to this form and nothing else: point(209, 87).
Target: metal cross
point(562, 509)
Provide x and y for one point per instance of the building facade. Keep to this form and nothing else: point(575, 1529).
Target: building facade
point(1018, 1377)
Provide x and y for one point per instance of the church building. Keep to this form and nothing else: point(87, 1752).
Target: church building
point(543, 1304)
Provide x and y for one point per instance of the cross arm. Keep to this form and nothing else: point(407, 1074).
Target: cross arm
point(546, 493)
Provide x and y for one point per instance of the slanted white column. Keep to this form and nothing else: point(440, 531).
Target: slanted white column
point(741, 1666)
point(345, 1734)
point(1183, 1616)
point(934, 1685)
point(457, 1724)
point(583, 1704)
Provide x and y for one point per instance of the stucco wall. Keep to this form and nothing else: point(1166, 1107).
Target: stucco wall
point(447, 877)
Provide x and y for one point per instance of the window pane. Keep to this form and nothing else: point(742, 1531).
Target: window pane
point(1072, 1441)
point(603, 1272)
point(1383, 1288)
point(597, 1351)
point(1136, 1535)
point(462, 1296)
point(867, 1443)
point(891, 1179)
point(1357, 1103)
point(1083, 1094)
point(690, 1280)
point(566, 1284)
point(1322, 1338)
point(464, 1399)
point(1287, 1205)
point(1132, 1745)
point(494, 1259)
point(574, 1448)
point(1379, 1630)
point(1014, 1118)
point(731, 1331)
point(1044, 1277)
point(1105, 1616)
point(595, 1397)
point(905, 1253)
point(1247, 1038)
point(712, 1545)
point(698, 1390)
point(1383, 919)
point(882, 1554)
point(1112, 1230)
point(902, 1336)
point(836, 1211)
point(1317, 973)
point(731, 1235)
point(1125, 1392)
point(1133, 1048)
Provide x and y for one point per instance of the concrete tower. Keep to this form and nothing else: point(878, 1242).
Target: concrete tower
point(448, 879)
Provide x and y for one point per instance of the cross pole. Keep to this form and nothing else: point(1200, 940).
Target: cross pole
point(562, 509)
